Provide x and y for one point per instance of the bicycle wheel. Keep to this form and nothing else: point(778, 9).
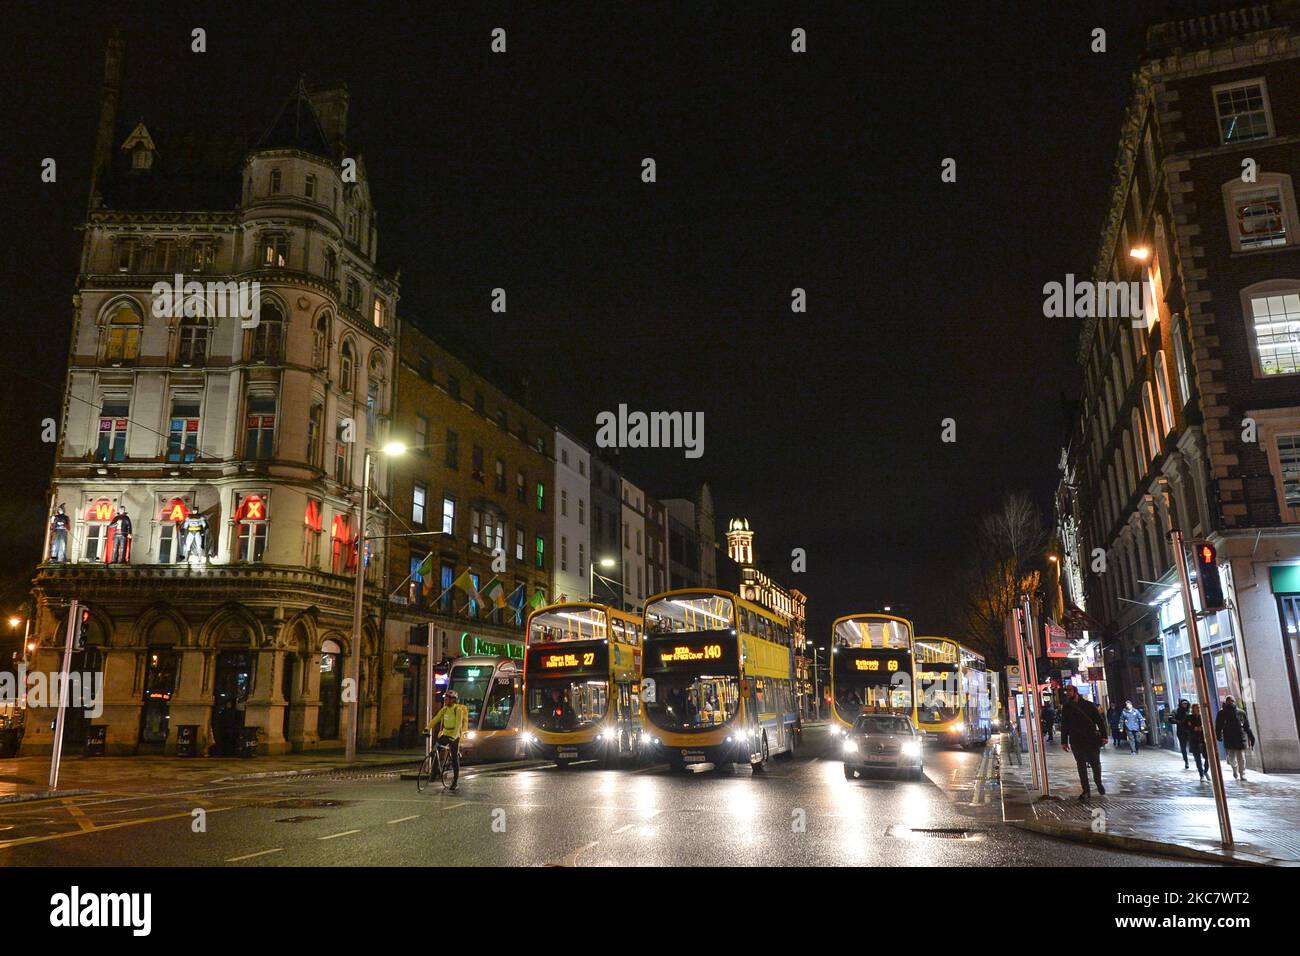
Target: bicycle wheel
point(425, 775)
point(448, 773)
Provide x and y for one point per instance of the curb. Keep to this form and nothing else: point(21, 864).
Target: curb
point(309, 771)
point(1116, 841)
point(43, 795)
point(487, 770)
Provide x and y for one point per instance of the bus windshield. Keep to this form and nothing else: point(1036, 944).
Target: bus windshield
point(872, 632)
point(705, 612)
point(872, 682)
point(693, 701)
point(470, 682)
point(567, 703)
point(568, 624)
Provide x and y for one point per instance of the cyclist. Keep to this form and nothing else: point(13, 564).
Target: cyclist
point(447, 725)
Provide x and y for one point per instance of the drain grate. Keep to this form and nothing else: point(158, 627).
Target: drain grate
point(298, 819)
point(935, 833)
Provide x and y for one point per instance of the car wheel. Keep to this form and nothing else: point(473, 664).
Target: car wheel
point(849, 773)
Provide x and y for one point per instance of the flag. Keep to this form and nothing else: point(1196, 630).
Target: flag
point(495, 593)
point(538, 599)
point(466, 584)
point(426, 566)
point(516, 603)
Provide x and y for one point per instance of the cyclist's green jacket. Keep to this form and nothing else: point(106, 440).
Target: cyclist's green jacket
point(450, 721)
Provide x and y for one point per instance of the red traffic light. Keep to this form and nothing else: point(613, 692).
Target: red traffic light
point(1207, 554)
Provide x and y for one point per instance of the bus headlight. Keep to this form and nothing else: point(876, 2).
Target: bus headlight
point(959, 727)
point(911, 748)
point(469, 735)
point(850, 746)
point(531, 739)
point(730, 739)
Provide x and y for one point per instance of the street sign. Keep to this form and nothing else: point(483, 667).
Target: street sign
point(1015, 681)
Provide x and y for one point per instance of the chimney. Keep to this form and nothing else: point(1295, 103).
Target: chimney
point(331, 106)
point(107, 114)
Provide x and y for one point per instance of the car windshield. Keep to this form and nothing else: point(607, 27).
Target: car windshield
point(869, 724)
point(567, 703)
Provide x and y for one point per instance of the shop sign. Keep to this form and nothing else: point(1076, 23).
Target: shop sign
point(1058, 643)
point(471, 646)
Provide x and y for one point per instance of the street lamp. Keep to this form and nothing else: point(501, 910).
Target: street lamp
point(604, 563)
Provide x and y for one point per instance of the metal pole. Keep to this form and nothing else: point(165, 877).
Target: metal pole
point(1030, 635)
point(74, 613)
point(428, 690)
point(354, 707)
point(1025, 685)
point(817, 688)
point(1202, 691)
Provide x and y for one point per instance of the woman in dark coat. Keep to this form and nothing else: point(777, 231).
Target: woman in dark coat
point(1196, 741)
point(1232, 727)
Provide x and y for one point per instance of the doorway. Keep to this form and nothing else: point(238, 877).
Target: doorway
point(234, 677)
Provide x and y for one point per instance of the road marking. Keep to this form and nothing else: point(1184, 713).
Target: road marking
point(453, 806)
point(414, 816)
point(249, 856)
point(334, 835)
point(83, 821)
point(100, 829)
point(572, 858)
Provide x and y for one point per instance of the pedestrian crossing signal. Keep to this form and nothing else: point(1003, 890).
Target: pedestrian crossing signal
point(83, 628)
point(1207, 578)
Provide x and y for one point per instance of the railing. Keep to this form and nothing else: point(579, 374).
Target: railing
point(1201, 31)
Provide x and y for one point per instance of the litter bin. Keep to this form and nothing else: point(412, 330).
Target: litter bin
point(187, 740)
point(248, 741)
point(95, 738)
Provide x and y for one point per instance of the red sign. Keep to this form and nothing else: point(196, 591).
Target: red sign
point(1058, 644)
point(175, 511)
point(312, 519)
point(101, 510)
point(251, 508)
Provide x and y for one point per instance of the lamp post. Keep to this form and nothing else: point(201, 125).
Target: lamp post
point(604, 563)
point(354, 705)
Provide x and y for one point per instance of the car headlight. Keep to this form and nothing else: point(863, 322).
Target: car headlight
point(912, 748)
point(469, 735)
point(850, 746)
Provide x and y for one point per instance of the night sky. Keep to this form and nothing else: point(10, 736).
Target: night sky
point(775, 171)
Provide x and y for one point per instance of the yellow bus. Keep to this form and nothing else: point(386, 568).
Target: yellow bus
point(718, 684)
point(582, 676)
point(952, 692)
point(871, 668)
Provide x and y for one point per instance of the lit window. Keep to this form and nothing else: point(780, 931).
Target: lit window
point(449, 516)
point(520, 534)
point(1243, 111)
point(540, 552)
point(311, 534)
point(1276, 320)
point(1258, 216)
point(541, 496)
point(112, 429)
point(418, 494)
point(275, 251)
point(183, 429)
point(1288, 453)
point(123, 335)
point(251, 522)
point(379, 313)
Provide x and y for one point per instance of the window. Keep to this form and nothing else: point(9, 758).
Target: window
point(331, 265)
point(448, 516)
point(447, 577)
point(341, 544)
point(275, 180)
point(379, 316)
point(113, 420)
point(453, 450)
point(1180, 363)
point(564, 456)
point(320, 342)
point(268, 336)
point(453, 387)
point(477, 464)
point(476, 526)
point(1242, 109)
point(478, 403)
point(309, 186)
point(123, 331)
point(347, 368)
point(251, 525)
point(421, 433)
point(1261, 215)
point(1276, 320)
point(164, 255)
point(311, 534)
point(203, 256)
point(564, 552)
point(275, 251)
point(520, 535)
point(501, 475)
point(582, 558)
point(342, 454)
point(638, 540)
point(415, 589)
point(315, 426)
point(1288, 454)
point(352, 294)
point(502, 422)
point(98, 514)
point(582, 468)
point(1162, 386)
point(425, 368)
point(125, 254)
point(193, 347)
point(259, 435)
point(183, 429)
point(541, 496)
point(564, 502)
point(582, 512)
point(519, 486)
point(540, 552)
point(418, 496)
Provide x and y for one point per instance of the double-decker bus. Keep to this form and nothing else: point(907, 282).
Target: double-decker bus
point(582, 677)
point(953, 698)
point(871, 668)
point(718, 684)
point(489, 687)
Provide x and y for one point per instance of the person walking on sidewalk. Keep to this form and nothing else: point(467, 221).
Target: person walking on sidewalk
point(1049, 719)
point(1131, 719)
point(1112, 717)
point(1196, 742)
point(1083, 726)
point(1182, 721)
point(1232, 727)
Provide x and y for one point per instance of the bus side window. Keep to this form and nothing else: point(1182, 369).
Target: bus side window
point(617, 627)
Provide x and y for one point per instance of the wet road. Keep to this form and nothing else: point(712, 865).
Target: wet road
point(799, 812)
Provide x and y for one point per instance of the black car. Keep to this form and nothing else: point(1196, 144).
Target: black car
point(882, 742)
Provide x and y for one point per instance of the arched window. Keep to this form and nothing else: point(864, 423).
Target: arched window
point(380, 313)
point(268, 336)
point(193, 348)
point(1139, 445)
point(331, 685)
point(122, 334)
point(352, 294)
point(1152, 418)
point(331, 265)
point(347, 368)
point(320, 342)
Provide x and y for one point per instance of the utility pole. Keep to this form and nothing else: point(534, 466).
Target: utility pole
point(1202, 687)
point(354, 706)
point(74, 619)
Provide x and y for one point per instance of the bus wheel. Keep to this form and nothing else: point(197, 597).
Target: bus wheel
point(762, 763)
point(849, 773)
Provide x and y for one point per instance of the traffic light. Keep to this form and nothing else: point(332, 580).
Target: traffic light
point(1207, 577)
point(83, 629)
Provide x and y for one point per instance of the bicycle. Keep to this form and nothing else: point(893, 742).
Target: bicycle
point(437, 764)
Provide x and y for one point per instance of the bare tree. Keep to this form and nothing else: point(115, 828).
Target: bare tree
point(1002, 567)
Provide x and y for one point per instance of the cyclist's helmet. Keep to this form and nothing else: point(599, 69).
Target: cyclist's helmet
point(452, 695)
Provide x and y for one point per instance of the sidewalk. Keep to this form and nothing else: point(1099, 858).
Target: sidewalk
point(1154, 805)
point(27, 778)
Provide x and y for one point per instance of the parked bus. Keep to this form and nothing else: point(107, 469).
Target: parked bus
point(582, 683)
point(952, 692)
point(719, 680)
point(871, 668)
point(489, 687)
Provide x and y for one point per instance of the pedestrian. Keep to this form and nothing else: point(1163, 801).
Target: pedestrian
point(1049, 718)
point(1232, 727)
point(1116, 728)
point(1083, 726)
point(1196, 741)
point(1131, 720)
point(1182, 722)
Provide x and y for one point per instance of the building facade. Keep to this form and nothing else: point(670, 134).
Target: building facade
point(632, 514)
point(572, 532)
point(606, 533)
point(656, 546)
point(207, 481)
point(1190, 414)
point(692, 540)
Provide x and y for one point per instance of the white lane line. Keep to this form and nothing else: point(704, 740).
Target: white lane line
point(453, 806)
point(249, 856)
point(334, 835)
point(625, 827)
point(414, 816)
